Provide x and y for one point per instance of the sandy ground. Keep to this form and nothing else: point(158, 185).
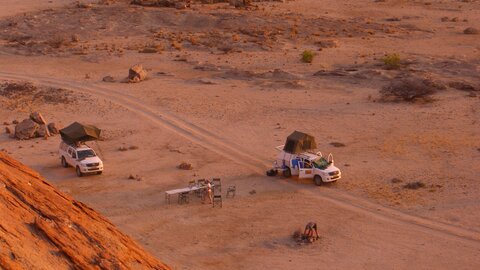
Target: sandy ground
point(217, 102)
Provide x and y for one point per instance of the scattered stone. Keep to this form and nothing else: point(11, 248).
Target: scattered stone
point(136, 74)
point(462, 86)
point(75, 38)
point(135, 177)
point(414, 185)
point(253, 191)
point(395, 180)
point(337, 144)
point(15, 122)
point(6, 123)
point(471, 31)
point(185, 166)
point(108, 78)
point(122, 148)
point(26, 129)
point(327, 43)
point(240, 3)
point(180, 5)
point(133, 147)
point(53, 129)
point(8, 130)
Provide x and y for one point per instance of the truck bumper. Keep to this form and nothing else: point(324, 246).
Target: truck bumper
point(91, 169)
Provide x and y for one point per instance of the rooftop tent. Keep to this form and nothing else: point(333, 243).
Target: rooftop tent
point(77, 132)
point(298, 142)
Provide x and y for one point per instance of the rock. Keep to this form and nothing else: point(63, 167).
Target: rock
point(38, 118)
point(108, 78)
point(6, 123)
point(180, 5)
point(471, 31)
point(53, 129)
point(462, 86)
point(131, 176)
point(136, 73)
point(26, 129)
point(185, 166)
point(239, 3)
point(44, 228)
point(42, 132)
point(8, 130)
point(75, 38)
point(327, 43)
point(14, 122)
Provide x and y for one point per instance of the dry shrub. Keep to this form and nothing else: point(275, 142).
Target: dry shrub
point(307, 56)
point(391, 61)
point(410, 90)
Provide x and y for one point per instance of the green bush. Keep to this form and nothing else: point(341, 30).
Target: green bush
point(391, 61)
point(307, 56)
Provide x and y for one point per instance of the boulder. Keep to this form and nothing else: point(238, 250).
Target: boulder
point(185, 166)
point(8, 130)
point(42, 132)
point(108, 79)
point(471, 31)
point(240, 3)
point(26, 129)
point(53, 129)
point(137, 73)
point(38, 118)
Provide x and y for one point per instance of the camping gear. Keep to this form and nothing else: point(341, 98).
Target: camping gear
point(299, 142)
point(77, 132)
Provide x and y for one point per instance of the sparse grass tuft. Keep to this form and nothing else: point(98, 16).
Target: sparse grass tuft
point(391, 61)
point(307, 56)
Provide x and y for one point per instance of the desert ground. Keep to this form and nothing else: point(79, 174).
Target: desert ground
point(225, 86)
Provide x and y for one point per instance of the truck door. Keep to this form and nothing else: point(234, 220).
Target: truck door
point(306, 170)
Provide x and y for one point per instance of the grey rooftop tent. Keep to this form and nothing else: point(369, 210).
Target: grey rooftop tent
point(299, 142)
point(77, 132)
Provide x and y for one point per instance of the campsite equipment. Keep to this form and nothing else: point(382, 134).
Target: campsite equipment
point(297, 158)
point(77, 132)
point(299, 142)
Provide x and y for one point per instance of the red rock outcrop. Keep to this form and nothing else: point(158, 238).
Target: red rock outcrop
point(42, 228)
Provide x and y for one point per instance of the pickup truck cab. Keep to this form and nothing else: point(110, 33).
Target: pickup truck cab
point(82, 158)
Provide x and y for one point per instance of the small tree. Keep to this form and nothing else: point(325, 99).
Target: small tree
point(391, 61)
point(307, 56)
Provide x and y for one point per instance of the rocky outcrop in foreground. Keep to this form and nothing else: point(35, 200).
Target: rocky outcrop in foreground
point(41, 228)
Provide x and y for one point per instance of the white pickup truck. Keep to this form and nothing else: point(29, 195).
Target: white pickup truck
point(82, 158)
point(307, 165)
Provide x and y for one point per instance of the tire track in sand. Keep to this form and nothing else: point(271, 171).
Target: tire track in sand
point(234, 152)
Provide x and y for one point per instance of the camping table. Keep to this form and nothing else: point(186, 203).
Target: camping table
point(182, 190)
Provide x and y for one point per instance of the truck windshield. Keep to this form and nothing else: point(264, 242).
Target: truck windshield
point(321, 163)
point(85, 154)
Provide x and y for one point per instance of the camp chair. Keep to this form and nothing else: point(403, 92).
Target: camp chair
point(217, 200)
point(183, 198)
point(199, 192)
point(231, 191)
point(217, 185)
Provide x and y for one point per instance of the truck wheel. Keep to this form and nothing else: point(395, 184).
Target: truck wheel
point(318, 180)
point(99, 172)
point(287, 173)
point(64, 162)
point(79, 173)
